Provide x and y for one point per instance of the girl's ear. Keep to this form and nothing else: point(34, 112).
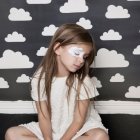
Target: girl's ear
point(57, 48)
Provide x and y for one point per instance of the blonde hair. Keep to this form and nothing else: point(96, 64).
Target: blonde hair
point(65, 34)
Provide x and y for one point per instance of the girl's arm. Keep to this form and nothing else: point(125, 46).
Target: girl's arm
point(78, 120)
point(44, 120)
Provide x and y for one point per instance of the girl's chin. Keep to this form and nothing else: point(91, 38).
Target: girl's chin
point(73, 70)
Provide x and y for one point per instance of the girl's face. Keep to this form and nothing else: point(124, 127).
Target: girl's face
point(72, 57)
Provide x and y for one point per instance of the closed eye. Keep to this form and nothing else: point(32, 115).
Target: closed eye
point(76, 53)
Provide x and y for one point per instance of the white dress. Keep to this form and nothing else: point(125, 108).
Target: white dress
point(61, 118)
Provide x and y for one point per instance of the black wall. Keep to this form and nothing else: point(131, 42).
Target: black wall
point(118, 55)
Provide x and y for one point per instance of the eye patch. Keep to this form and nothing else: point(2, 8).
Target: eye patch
point(75, 51)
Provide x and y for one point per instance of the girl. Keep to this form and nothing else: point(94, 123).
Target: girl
point(62, 90)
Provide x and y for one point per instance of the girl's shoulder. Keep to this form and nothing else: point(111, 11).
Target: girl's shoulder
point(37, 74)
point(86, 81)
point(88, 89)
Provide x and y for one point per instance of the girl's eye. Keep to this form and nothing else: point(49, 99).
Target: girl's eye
point(76, 53)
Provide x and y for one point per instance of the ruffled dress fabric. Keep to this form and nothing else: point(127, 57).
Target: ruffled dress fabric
point(62, 111)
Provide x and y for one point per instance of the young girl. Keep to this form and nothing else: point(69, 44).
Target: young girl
point(62, 91)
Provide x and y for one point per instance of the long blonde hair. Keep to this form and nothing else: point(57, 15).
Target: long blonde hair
point(65, 34)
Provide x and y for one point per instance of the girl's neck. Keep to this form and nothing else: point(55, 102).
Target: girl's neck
point(61, 75)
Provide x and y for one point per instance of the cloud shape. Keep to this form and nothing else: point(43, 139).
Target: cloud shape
point(23, 79)
point(38, 1)
point(42, 51)
point(85, 23)
point(14, 60)
point(111, 35)
point(109, 59)
point(116, 12)
point(49, 30)
point(74, 6)
point(15, 37)
point(3, 83)
point(117, 78)
point(136, 51)
point(19, 15)
point(96, 82)
point(133, 92)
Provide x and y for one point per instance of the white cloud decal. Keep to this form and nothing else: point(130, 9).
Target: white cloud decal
point(3, 83)
point(117, 78)
point(96, 82)
point(14, 60)
point(49, 30)
point(38, 1)
point(42, 51)
point(74, 6)
point(136, 51)
point(111, 35)
point(108, 59)
point(19, 15)
point(116, 12)
point(23, 79)
point(15, 37)
point(85, 23)
point(133, 92)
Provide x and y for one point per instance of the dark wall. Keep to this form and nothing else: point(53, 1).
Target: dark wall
point(25, 32)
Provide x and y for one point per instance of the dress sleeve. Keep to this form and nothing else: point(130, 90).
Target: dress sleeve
point(88, 89)
point(34, 89)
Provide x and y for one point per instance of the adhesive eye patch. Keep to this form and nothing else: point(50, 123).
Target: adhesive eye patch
point(77, 52)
